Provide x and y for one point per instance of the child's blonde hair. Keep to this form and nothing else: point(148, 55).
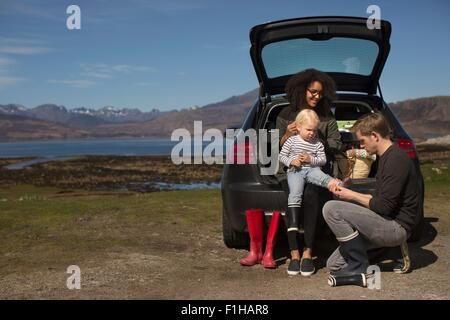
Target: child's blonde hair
point(306, 115)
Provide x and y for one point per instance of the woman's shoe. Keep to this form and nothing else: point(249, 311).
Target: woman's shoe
point(294, 267)
point(307, 267)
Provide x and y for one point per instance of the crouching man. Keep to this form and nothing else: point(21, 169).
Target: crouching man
point(382, 219)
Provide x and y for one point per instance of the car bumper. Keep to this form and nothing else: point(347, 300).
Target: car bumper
point(238, 197)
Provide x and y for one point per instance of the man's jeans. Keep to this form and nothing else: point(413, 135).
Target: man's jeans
point(344, 218)
point(297, 177)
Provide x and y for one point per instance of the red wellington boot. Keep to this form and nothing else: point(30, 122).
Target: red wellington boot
point(255, 223)
point(267, 260)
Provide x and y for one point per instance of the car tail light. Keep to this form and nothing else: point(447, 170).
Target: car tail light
point(243, 153)
point(408, 146)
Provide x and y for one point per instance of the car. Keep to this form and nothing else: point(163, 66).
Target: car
point(354, 56)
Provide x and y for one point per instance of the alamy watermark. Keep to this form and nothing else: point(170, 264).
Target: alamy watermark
point(241, 147)
point(373, 277)
point(374, 20)
point(73, 21)
point(74, 280)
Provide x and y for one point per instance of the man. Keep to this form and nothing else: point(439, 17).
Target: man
point(382, 219)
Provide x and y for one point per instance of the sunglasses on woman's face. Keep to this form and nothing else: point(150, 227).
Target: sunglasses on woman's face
point(315, 92)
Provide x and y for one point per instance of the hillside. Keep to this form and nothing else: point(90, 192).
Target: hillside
point(23, 128)
point(218, 115)
point(423, 118)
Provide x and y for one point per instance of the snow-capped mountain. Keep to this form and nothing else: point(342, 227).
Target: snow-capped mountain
point(80, 117)
point(13, 109)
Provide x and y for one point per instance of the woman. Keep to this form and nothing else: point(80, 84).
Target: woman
point(309, 89)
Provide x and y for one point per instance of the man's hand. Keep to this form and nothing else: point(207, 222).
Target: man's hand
point(344, 193)
point(333, 185)
point(348, 195)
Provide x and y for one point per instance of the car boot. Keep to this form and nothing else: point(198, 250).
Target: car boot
point(255, 223)
point(267, 260)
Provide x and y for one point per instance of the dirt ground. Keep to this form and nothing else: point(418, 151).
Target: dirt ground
point(171, 261)
point(201, 268)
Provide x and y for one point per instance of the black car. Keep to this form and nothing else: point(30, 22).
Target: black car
point(354, 56)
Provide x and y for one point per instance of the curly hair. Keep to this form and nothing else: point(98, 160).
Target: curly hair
point(296, 91)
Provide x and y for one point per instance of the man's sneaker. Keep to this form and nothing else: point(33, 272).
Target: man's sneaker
point(294, 267)
point(307, 267)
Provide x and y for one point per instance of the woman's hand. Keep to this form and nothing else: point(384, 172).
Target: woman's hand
point(291, 129)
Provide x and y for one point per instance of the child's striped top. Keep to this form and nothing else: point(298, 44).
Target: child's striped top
point(295, 145)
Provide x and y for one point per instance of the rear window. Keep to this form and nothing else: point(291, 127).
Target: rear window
point(346, 55)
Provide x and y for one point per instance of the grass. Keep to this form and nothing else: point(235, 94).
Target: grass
point(48, 227)
point(40, 226)
point(437, 193)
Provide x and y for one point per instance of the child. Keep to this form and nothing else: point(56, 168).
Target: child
point(303, 154)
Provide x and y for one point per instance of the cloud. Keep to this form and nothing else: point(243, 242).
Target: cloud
point(22, 46)
point(20, 41)
point(6, 62)
point(74, 83)
point(108, 71)
point(15, 7)
point(23, 50)
point(7, 80)
point(96, 75)
point(172, 6)
point(93, 73)
point(124, 68)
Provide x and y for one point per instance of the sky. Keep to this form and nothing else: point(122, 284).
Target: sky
point(174, 54)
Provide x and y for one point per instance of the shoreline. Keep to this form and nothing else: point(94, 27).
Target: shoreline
point(95, 173)
point(135, 173)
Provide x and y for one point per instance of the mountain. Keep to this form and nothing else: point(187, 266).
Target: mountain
point(221, 115)
point(50, 112)
point(110, 114)
point(80, 117)
point(13, 109)
point(13, 127)
point(423, 118)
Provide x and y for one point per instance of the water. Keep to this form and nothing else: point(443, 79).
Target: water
point(27, 164)
point(54, 149)
point(65, 149)
point(69, 148)
point(161, 186)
